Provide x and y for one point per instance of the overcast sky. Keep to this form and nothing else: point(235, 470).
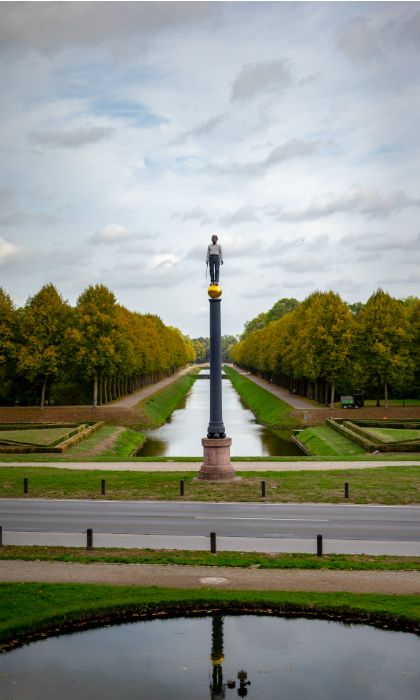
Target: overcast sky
point(131, 132)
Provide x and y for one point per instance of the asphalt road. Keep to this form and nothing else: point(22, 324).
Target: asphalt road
point(348, 522)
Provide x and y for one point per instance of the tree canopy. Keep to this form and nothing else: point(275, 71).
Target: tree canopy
point(48, 343)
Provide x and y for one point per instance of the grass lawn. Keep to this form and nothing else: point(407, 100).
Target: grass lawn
point(267, 408)
point(343, 562)
point(393, 434)
point(323, 440)
point(34, 436)
point(34, 610)
point(385, 485)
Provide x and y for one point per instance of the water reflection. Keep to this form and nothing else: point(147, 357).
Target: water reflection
point(181, 435)
point(293, 659)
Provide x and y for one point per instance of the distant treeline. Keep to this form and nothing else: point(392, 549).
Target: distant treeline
point(202, 348)
point(322, 346)
point(91, 353)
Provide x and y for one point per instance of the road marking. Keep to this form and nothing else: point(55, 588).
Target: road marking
point(231, 517)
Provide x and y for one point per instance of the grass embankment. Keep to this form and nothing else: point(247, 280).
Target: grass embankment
point(341, 562)
point(35, 436)
point(109, 442)
point(267, 408)
point(324, 441)
point(384, 485)
point(156, 409)
point(34, 610)
point(393, 434)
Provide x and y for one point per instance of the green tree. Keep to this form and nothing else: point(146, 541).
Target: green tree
point(42, 328)
point(94, 336)
point(383, 335)
point(278, 310)
point(8, 339)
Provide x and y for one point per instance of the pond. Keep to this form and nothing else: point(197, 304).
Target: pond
point(181, 435)
point(198, 658)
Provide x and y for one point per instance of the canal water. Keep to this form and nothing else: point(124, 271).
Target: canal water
point(294, 659)
point(181, 435)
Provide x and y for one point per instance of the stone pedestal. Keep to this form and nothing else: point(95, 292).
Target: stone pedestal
point(216, 465)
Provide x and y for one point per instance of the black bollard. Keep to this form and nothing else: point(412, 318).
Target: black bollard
point(1, 536)
point(89, 538)
point(213, 549)
point(181, 487)
point(319, 545)
point(263, 489)
point(346, 489)
point(25, 484)
point(103, 487)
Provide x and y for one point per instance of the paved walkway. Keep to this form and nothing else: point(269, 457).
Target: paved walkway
point(381, 582)
point(295, 401)
point(300, 465)
point(133, 399)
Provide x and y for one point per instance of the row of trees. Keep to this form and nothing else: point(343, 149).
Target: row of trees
point(51, 349)
point(202, 348)
point(324, 344)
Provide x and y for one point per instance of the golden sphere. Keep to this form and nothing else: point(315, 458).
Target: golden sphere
point(214, 291)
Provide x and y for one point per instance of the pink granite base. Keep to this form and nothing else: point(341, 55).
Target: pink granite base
point(216, 465)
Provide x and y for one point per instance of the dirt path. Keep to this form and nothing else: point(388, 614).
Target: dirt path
point(297, 402)
point(381, 582)
point(133, 399)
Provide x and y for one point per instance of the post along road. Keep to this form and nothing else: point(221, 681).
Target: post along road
point(348, 528)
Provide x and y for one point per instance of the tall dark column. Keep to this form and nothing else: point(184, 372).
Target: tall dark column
point(216, 446)
point(216, 428)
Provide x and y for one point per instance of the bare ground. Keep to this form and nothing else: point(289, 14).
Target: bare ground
point(380, 582)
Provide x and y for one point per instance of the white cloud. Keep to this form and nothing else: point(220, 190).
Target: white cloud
point(358, 41)
point(8, 250)
point(111, 233)
point(256, 79)
point(71, 138)
point(368, 201)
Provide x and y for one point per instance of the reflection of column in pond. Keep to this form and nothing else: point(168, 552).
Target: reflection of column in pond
point(217, 687)
point(216, 446)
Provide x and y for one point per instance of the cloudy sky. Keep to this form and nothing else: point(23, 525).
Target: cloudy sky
point(131, 132)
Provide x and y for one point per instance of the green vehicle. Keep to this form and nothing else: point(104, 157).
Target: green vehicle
point(356, 400)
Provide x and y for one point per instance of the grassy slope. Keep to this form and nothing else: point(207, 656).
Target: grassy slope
point(41, 436)
point(385, 485)
point(324, 441)
point(30, 610)
point(156, 409)
point(393, 434)
point(267, 408)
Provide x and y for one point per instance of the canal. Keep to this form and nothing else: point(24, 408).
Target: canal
point(181, 435)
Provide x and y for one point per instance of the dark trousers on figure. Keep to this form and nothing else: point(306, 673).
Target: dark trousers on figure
point(214, 264)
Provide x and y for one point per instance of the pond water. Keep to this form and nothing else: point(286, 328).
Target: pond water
point(294, 659)
point(181, 435)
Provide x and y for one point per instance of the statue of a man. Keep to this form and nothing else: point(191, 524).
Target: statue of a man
point(214, 259)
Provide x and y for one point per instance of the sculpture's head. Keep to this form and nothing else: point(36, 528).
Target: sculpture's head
point(214, 239)
point(214, 291)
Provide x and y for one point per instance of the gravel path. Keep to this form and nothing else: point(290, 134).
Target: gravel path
point(381, 582)
point(133, 399)
point(238, 466)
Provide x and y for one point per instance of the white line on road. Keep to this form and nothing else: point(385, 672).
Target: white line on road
point(231, 517)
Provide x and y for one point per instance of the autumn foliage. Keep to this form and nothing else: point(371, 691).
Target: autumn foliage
point(323, 344)
point(48, 344)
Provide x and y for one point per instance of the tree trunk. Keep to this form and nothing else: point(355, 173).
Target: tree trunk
point(100, 384)
point(105, 395)
point(332, 394)
point(95, 390)
point(386, 394)
point(43, 391)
